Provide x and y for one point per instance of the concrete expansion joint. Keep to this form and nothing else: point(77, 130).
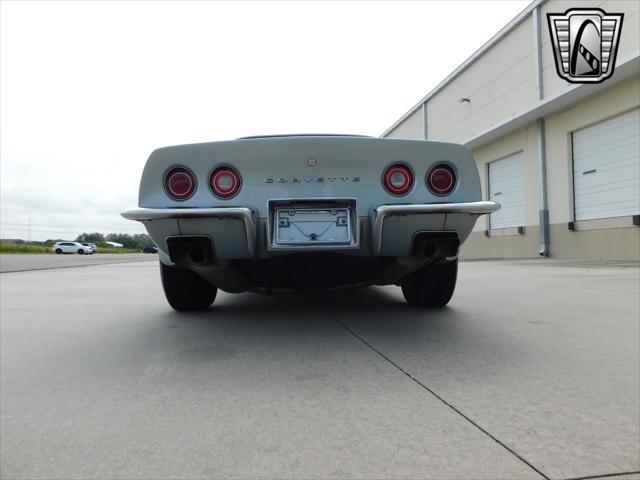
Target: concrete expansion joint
point(605, 475)
point(441, 399)
point(28, 269)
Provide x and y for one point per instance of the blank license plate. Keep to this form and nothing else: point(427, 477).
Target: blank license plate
point(312, 226)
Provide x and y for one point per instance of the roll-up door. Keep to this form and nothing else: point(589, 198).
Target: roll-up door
point(506, 186)
point(606, 168)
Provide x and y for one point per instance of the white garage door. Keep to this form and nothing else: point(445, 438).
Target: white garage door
point(506, 186)
point(606, 168)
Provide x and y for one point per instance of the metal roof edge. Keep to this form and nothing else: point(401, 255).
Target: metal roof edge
point(504, 31)
point(626, 69)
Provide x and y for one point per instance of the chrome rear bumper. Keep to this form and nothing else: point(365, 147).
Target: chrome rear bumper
point(415, 212)
point(403, 221)
point(148, 214)
point(244, 215)
point(475, 208)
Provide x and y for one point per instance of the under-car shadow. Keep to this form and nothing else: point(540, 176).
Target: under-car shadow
point(298, 333)
point(257, 317)
point(379, 305)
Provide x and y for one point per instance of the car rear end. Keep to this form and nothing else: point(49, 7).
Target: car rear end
point(270, 213)
point(90, 248)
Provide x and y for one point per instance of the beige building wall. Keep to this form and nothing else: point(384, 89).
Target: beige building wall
point(499, 84)
point(524, 141)
point(412, 127)
point(613, 101)
point(601, 238)
point(508, 242)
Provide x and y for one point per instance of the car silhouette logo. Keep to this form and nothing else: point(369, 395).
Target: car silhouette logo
point(585, 43)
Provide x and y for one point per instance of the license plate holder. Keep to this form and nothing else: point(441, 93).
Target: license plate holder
point(312, 226)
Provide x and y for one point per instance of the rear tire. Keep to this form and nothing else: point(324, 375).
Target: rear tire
point(186, 290)
point(432, 285)
point(58, 251)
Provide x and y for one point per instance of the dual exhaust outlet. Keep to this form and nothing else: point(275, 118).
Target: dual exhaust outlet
point(199, 250)
point(195, 250)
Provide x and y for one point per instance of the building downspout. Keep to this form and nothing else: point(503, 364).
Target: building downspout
point(542, 190)
point(541, 145)
point(424, 121)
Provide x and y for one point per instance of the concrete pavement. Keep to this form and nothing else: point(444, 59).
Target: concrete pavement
point(532, 372)
point(16, 262)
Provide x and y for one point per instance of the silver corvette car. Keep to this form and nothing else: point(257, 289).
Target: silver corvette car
point(294, 212)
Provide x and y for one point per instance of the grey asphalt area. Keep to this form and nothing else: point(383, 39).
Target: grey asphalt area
point(533, 371)
point(16, 262)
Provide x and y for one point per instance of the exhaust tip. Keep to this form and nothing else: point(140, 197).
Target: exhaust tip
point(190, 250)
point(435, 244)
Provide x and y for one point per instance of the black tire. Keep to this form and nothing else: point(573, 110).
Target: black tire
point(80, 251)
point(431, 286)
point(58, 251)
point(186, 290)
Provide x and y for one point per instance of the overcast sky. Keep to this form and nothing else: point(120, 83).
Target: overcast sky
point(89, 89)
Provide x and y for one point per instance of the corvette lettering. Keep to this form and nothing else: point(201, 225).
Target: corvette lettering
point(311, 179)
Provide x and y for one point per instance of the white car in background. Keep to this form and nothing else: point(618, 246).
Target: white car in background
point(72, 247)
point(92, 246)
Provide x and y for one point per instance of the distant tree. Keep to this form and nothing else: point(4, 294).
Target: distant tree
point(137, 241)
point(94, 237)
point(143, 240)
point(123, 238)
point(50, 241)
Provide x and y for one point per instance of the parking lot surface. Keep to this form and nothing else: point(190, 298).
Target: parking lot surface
point(533, 371)
point(16, 262)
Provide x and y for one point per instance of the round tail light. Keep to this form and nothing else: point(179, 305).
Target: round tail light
point(225, 181)
point(180, 183)
point(398, 179)
point(441, 179)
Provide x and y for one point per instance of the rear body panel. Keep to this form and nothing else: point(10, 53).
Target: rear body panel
point(278, 168)
point(310, 196)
